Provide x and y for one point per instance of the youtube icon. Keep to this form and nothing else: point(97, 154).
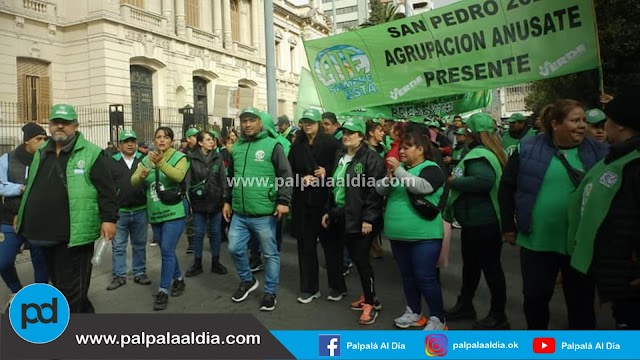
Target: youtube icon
point(544, 345)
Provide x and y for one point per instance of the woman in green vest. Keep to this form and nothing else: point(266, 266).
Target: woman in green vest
point(354, 210)
point(161, 173)
point(416, 242)
point(474, 204)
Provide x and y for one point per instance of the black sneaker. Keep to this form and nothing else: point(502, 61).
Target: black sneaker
point(116, 283)
point(218, 269)
point(268, 302)
point(162, 301)
point(195, 269)
point(256, 265)
point(177, 288)
point(142, 279)
point(336, 295)
point(306, 298)
point(244, 289)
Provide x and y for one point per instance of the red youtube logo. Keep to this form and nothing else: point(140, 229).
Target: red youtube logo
point(544, 345)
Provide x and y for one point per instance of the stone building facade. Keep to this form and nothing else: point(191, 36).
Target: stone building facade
point(153, 57)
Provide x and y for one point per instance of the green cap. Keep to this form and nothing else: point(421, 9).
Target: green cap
point(250, 110)
point(460, 132)
point(480, 122)
point(433, 124)
point(312, 114)
point(215, 134)
point(127, 134)
point(516, 117)
point(63, 112)
point(417, 120)
point(595, 116)
point(355, 125)
point(191, 132)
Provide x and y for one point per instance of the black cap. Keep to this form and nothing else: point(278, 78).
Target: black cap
point(31, 130)
point(143, 144)
point(623, 109)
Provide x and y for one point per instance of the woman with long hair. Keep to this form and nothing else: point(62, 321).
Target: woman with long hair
point(542, 174)
point(311, 156)
point(162, 173)
point(416, 241)
point(473, 202)
point(208, 190)
point(354, 213)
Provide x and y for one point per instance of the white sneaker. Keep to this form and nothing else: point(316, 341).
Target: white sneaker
point(435, 324)
point(306, 298)
point(6, 307)
point(456, 225)
point(409, 319)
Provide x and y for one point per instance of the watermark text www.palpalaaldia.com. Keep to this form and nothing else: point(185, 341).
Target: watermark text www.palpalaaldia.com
point(297, 181)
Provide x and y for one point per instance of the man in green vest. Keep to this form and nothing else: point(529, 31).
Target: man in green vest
point(69, 202)
point(604, 231)
point(518, 130)
point(261, 193)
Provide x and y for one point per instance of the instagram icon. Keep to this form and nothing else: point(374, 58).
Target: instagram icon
point(436, 345)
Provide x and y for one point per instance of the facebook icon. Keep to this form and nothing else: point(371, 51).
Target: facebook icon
point(329, 345)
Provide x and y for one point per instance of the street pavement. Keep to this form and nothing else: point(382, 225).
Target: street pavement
point(211, 293)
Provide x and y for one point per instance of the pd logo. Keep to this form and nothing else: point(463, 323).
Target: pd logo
point(544, 345)
point(39, 313)
point(436, 345)
point(329, 345)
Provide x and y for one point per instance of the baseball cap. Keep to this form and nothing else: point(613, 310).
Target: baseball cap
point(460, 132)
point(191, 132)
point(417, 120)
point(127, 134)
point(312, 114)
point(433, 124)
point(250, 111)
point(480, 122)
point(595, 116)
point(143, 144)
point(355, 125)
point(215, 134)
point(63, 112)
point(516, 117)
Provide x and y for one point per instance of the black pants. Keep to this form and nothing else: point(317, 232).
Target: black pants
point(481, 249)
point(309, 229)
point(359, 247)
point(70, 272)
point(627, 313)
point(254, 244)
point(539, 273)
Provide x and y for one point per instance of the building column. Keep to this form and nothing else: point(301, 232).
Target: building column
point(255, 19)
point(217, 17)
point(167, 12)
point(180, 18)
point(226, 15)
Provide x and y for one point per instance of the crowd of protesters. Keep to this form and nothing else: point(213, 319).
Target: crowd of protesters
point(566, 192)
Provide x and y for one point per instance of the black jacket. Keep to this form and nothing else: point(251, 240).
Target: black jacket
point(17, 163)
point(304, 159)
point(616, 256)
point(127, 195)
point(362, 203)
point(207, 182)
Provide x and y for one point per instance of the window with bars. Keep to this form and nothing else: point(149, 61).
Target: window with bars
point(235, 20)
point(192, 13)
point(136, 3)
point(34, 90)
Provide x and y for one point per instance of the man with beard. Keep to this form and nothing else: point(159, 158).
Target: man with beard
point(518, 130)
point(69, 203)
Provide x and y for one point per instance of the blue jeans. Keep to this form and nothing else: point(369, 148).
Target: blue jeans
point(200, 224)
point(417, 262)
point(263, 228)
point(168, 234)
point(9, 250)
point(132, 224)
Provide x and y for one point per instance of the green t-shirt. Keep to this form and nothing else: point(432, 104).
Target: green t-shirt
point(339, 188)
point(549, 220)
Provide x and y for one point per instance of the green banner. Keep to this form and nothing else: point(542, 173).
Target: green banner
point(469, 46)
point(307, 94)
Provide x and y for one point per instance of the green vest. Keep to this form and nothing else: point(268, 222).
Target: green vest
point(157, 211)
point(457, 153)
point(590, 205)
point(402, 221)
point(254, 189)
point(510, 144)
point(84, 214)
point(476, 153)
